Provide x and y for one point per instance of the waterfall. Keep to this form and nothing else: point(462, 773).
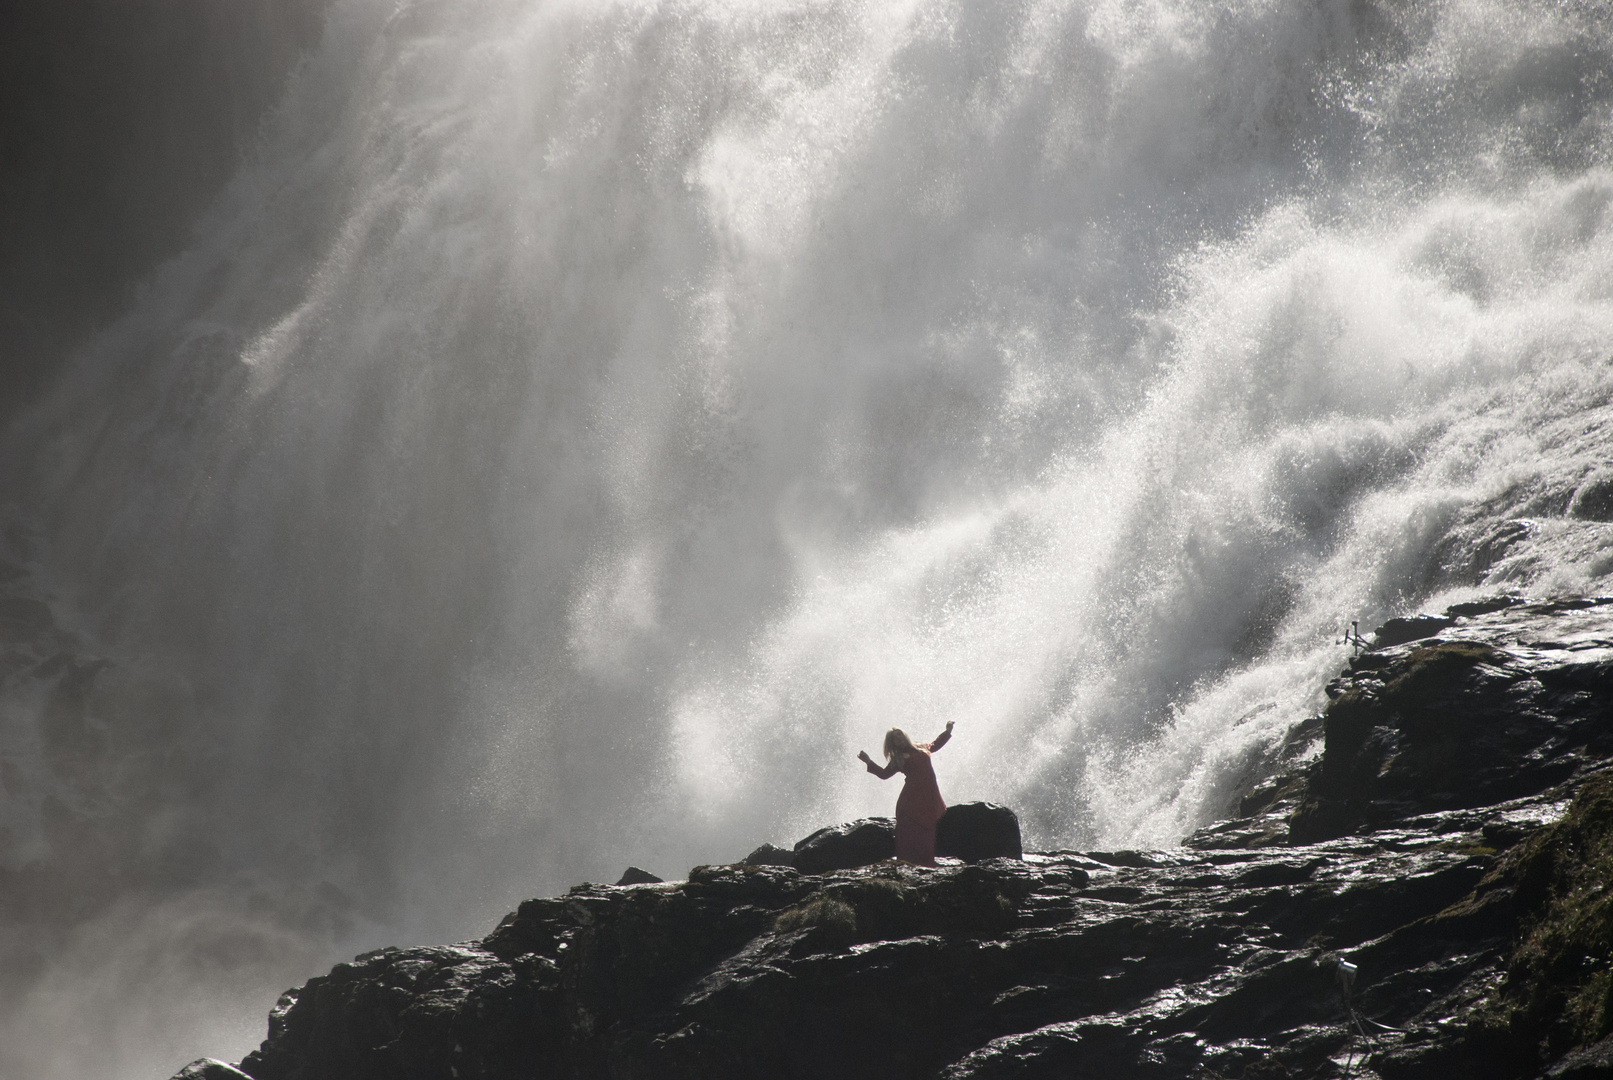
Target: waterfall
point(579, 428)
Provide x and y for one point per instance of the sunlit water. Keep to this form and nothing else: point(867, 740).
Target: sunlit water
point(583, 427)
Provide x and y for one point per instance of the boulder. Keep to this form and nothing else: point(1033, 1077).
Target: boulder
point(976, 831)
point(1415, 628)
point(1593, 500)
point(635, 876)
point(210, 1069)
point(769, 855)
point(844, 847)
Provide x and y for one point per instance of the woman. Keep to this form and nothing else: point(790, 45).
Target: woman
point(919, 806)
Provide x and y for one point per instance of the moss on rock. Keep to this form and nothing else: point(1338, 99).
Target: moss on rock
point(1559, 986)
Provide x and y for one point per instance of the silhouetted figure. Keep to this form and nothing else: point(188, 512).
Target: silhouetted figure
point(919, 806)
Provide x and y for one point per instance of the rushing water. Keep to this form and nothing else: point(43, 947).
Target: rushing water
point(582, 427)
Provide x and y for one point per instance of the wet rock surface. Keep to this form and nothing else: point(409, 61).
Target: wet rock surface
point(1453, 840)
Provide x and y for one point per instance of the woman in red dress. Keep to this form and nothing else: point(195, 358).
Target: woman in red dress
point(919, 806)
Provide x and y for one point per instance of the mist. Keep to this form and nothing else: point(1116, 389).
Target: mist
point(576, 429)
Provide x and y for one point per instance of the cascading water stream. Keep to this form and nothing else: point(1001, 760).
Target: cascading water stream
point(582, 427)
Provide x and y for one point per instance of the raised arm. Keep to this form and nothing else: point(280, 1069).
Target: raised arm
point(941, 739)
point(884, 774)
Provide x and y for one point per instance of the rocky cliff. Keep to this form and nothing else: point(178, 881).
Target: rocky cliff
point(1420, 888)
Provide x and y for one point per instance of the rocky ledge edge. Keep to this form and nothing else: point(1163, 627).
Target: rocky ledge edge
point(1418, 888)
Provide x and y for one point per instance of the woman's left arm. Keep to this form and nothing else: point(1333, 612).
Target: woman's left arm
point(941, 739)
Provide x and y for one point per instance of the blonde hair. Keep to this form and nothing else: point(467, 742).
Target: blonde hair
point(897, 744)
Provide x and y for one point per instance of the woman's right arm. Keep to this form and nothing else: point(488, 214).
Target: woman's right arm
point(884, 774)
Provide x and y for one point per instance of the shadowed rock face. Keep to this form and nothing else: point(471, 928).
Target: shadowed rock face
point(1505, 706)
point(1453, 840)
point(977, 831)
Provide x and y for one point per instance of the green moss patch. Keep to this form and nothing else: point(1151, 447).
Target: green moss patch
point(1559, 988)
point(837, 916)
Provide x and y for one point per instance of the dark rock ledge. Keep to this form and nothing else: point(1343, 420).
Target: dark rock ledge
point(1453, 840)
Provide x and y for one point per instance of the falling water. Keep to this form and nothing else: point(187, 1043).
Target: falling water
point(580, 428)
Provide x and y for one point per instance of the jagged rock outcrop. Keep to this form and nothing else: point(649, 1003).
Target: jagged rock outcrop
point(1470, 717)
point(1453, 840)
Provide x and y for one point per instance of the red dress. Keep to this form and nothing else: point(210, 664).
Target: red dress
point(918, 808)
